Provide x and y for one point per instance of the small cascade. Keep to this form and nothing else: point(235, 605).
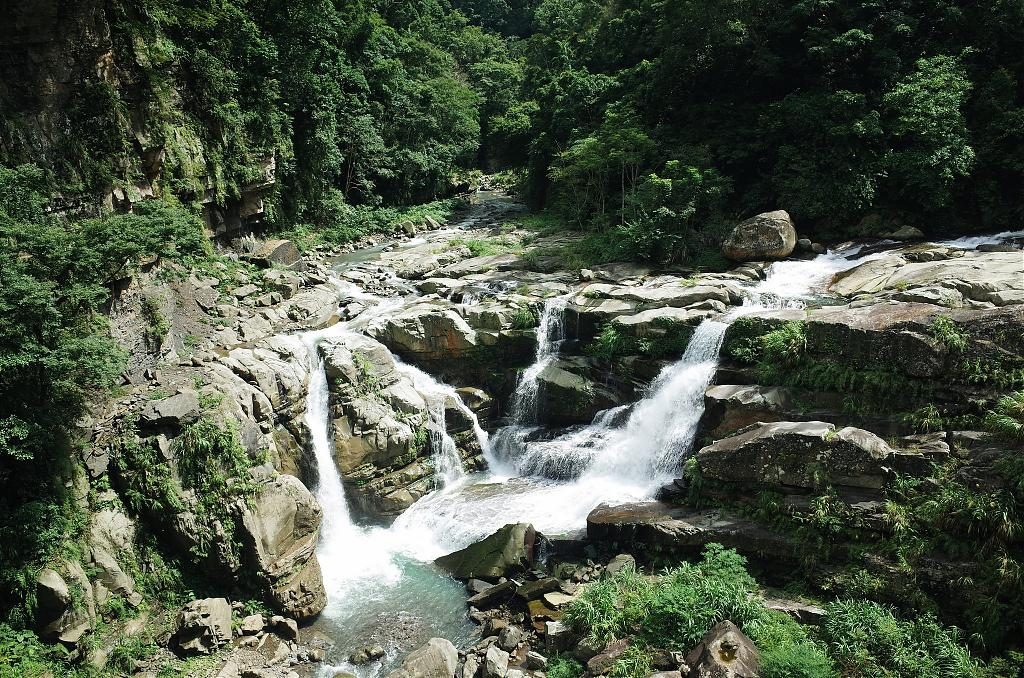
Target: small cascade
point(661, 428)
point(550, 335)
point(439, 396)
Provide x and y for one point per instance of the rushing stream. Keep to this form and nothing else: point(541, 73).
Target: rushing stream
point(381, 586)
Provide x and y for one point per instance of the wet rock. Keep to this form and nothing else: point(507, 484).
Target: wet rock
point(493, 596)
point(769, 235)
point(495, 662)
point(507, 551)
point(566, 398)
point(724, 652)
point(476, 586)
point(367, 654)
point(437, 659)
point(202, 626)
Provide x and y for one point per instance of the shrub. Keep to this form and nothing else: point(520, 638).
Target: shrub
point(949, 333)
point(868, 639)
point(564, 666)
point(1006, 421)
point(524, 319)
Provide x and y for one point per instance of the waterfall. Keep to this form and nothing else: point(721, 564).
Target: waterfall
point(339, 536)
point(550, 334)
point(662, 426)
point(447, 463)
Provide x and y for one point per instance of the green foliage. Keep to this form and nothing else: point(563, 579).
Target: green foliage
point(837, 112)
point(564, 666)
point(350, 222)
point(211, 461)
point(157, 326)
point(609, 344)
point(1006, 420)
point(524, 319)
point(23, 655)
point(130, 650)
point(785, 346)
point(868, 639)
point(949, 333)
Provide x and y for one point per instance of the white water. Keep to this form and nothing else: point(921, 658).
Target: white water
point(970, 242)
point(550, 335)
point(447, 463)
point(550, 481)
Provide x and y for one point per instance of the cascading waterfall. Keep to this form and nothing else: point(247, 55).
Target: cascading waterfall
point(552, 481)
point(661, 427)
point(448, 466)
point(550, 335)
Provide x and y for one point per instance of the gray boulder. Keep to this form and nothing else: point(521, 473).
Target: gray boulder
point(176, 411)
point(807, 454)
point(770, 235)
point(203, 626)
point(280, 526)
point(495, 662)
point(507, 551)
point(276, 252)
point(437, 659)
point(724, 652)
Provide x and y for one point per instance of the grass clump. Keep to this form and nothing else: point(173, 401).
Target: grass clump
point(868, 639)
point(948, 333)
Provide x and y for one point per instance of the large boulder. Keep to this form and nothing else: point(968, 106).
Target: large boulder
point(565, 397)
point(806, 456)
point(654, 527)
point(729, 408)
point(425, 332)
point(509, 550)
point(724, 652)
point(437, 659)
point(202, 626)
point(176, 411)
point(280, 526)
point(770, 235)
point(57, 614)
point(276, 253)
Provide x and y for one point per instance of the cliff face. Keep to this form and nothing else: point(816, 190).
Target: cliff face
point(95, 92)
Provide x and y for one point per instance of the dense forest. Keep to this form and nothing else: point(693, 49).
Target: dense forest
point(135, 129)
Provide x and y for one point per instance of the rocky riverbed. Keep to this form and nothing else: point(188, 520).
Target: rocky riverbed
point(470, 381)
